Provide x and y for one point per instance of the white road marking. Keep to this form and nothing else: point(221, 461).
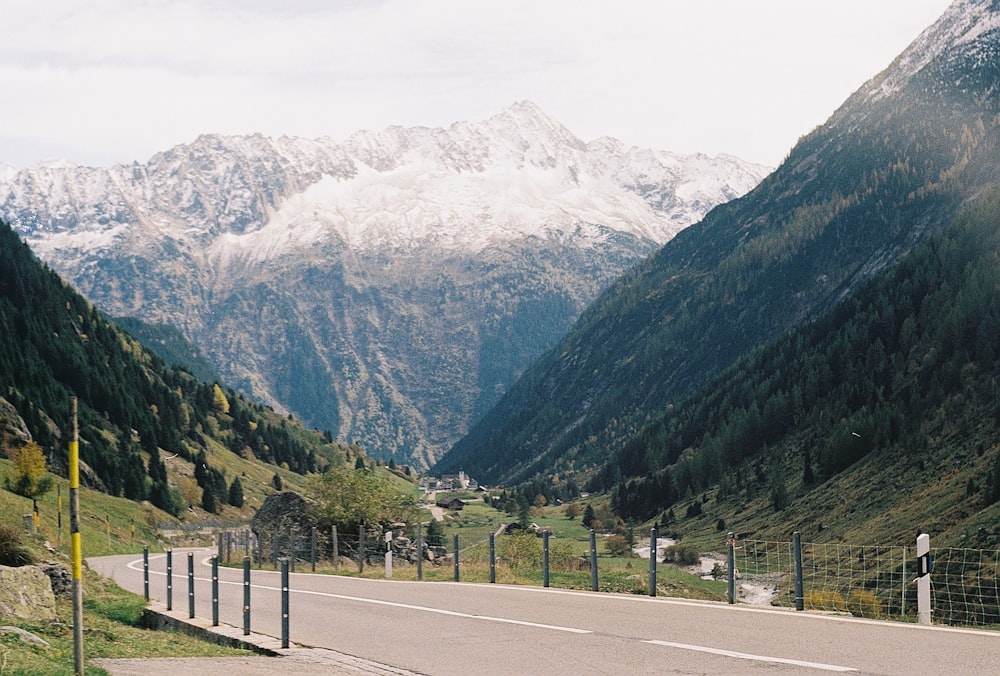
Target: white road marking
point(439, 611)
point(426, 609)
point(632, 598)
point(748, 656)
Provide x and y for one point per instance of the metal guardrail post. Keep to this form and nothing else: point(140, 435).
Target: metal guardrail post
point(246, 595)
point(545, 558)
point(215, 591)
point(420, 551)
point(361, 549)
point(652, 562)
point(190, 584)
point(170, 579)
point(284, 603)
point(145, 572)
point(797, 554)
point(493, 558)
point(731, 568)
point(593, 560)
point(312, 549)
point(336, 547)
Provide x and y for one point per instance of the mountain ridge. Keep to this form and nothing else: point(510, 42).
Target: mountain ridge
point(388, 288)
point(853, 196)
point(56, 346)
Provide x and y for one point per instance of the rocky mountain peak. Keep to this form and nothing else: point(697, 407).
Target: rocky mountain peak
point(387, 288)
point(964, 33)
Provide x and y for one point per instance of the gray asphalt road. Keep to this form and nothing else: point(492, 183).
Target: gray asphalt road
point(459, 628)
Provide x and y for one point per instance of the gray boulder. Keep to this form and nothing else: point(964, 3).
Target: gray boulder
point(281, 520)
point(26, 594)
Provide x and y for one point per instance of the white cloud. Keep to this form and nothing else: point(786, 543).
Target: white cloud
point(117, 80)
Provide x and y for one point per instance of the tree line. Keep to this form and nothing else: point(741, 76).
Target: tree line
point(56, 345)
point(890, 370)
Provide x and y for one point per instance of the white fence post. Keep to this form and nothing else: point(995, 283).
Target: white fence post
point(388, 555)
point(923, 579)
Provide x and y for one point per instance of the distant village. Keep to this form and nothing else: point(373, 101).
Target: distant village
point(450, 482)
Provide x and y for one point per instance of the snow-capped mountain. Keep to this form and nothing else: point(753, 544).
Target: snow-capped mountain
point(388, 287)
point(898, 161)
point(953, 37)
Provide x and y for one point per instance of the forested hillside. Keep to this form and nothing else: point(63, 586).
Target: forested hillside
point(903, 376)
point(896, 162)
point(54, 345)
point(170, 345)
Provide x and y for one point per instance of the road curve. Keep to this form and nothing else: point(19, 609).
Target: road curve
point(456, 628)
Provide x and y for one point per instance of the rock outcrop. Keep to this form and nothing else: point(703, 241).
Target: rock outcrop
point(26, 594)
point(281, 522)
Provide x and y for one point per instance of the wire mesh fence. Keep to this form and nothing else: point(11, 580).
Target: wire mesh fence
point(870, 581)
point(863, 580)
point(873, 581)
point(965, 587)
point(310, 547)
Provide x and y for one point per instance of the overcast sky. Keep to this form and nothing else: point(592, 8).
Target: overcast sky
point(115, 81)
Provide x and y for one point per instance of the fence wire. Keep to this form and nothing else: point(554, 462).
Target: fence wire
point(872, 581)
point(964, 587)
point(875, 581)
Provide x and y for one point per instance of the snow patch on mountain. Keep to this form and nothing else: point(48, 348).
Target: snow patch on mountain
point(79, 241)
point(961, 24)
point(388, 287)
point(517, 175)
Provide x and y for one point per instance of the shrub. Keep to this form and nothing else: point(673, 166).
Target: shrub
point(521, 551)
point(824, 599)
point(562, 554)
point(863, 603)
point(30, 479)
point(681, 554)
point(617, 545)
point(13, 553)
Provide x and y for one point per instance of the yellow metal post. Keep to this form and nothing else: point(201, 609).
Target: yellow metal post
point(74, 534)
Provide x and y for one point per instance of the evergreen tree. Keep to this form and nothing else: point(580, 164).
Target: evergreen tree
point(208, 502)
point(808, 477)
point(435, 534)
point(588, 516)
point(523, 511)
point(779, 494)
point(993, 494)
point(236, 493)
point(219, 400)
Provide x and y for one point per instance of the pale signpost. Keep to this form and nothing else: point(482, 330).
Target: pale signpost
point(923, 579)
point(388, 555)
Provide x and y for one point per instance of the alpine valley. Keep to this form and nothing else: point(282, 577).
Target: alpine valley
point(387, 289)
point(821, 353)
